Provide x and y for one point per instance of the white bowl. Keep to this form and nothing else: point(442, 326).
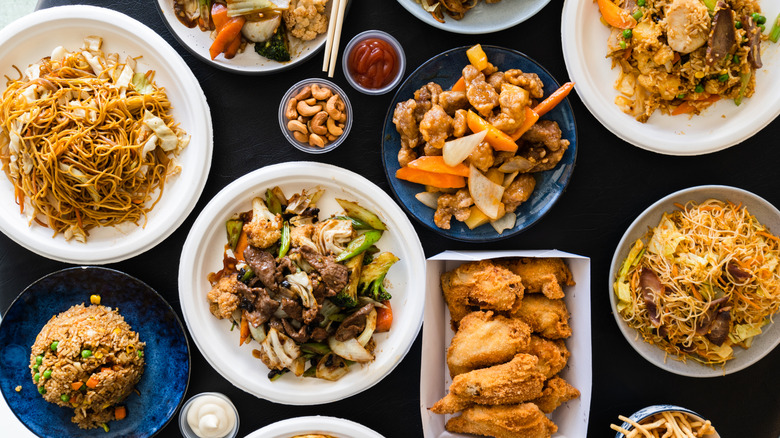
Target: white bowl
point(33, 37)
point(723, 124)
point(202, 254)
point(315, 425)
point(483, 18)
point(764, 343)
point(643, 413)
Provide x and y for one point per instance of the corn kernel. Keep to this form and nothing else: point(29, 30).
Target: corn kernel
point(94, 299)
point(18, 388)
point(698, 75)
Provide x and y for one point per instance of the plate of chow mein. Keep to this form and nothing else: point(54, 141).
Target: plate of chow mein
point(105, 135)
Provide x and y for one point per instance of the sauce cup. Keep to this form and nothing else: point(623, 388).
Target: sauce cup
point(185, 428)
point(399, 68)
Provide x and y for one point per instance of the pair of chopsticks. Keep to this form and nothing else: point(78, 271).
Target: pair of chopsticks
point(334, 36)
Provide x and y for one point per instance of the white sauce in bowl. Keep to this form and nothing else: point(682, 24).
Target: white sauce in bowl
point(211, 417)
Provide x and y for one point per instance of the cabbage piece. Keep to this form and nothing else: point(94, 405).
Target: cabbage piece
point(665, 238)
point(743, 332)
point(246, 7)
point(142, 84)
point(168, 139)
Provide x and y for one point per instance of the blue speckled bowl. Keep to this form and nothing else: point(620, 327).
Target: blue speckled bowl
point(445, 69)
point(643, 413)
point(167, 370)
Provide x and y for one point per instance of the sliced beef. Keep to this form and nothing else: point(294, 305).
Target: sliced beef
point(319, 334)
point(284, 267)
point(262, 307)
point(333, 274)
point(263, 265)
point(300, 335)
point(276, 324)
point(354, 324)
point(293, 309)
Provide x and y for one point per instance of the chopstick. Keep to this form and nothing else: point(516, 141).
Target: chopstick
point(334, 35)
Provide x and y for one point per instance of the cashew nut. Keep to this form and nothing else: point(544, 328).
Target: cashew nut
point(291, 113)
point(306, 110)
point(303, 138)
point(294, 125)
point(320, 93)
point(305, 93)
point(333, 128)
point(331, 137)
point(317, 123)
point(311, 101)
point(335, 108)
point(316, 140)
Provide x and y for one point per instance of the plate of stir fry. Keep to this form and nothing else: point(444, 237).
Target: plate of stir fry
point(299, 283)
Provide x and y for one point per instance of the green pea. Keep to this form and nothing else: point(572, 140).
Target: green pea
point(140, 353)
point(41, 390)
point(724, 77)
point(762, 27)
point(54, 345)
point(736, 59)
point(638, 15)
point(38, 360)
point(622, 44)
point(699, 89)
point(761, 19)
point(681, 96)
point(86, 353)
point(36, 377)
point(65, 397)
point(627, 33)
point(35, 367)
point(738, 24)
point(47, 374)
point(641, 2)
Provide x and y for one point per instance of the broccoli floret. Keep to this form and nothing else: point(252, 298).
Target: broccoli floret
point(348, 296)
point(373, 277)
point(276, 48)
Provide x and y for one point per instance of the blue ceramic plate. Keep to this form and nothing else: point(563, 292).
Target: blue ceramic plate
point(445, 69)
point(166, 373)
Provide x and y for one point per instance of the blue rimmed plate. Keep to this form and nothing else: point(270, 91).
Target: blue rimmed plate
point(445, 69)
point(167, 356)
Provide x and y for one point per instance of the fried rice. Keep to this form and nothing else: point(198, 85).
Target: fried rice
point(87, 359)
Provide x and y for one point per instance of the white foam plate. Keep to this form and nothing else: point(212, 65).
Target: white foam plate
point(314, 425)
point(720, 126)
point(33, 37)
point(483, 18)
point(202, 254)
point(248, 62)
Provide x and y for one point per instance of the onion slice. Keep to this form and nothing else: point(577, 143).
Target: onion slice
point(485, 193)
point(455, 151)
point(429, 199)
point(350, 350)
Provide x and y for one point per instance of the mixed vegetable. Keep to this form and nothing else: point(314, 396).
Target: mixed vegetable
point(311, 292)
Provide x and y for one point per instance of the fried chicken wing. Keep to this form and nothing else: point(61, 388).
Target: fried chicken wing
point(513, 421)
point(482, 284)
point(552, 355)
point(513, 382)
point(556, 392)
point(542, 275)
point(549, 318)
point(484, 339)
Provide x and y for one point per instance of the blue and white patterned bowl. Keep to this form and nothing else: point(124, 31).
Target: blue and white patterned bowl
point(167, 356)
point(644, 413)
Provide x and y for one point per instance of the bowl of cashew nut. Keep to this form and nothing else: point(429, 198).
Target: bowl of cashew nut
point(315, 115)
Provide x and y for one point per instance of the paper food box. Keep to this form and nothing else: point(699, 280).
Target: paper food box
point(571, 417)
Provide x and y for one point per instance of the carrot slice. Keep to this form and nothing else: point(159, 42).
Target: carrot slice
point(92, 382)
point(384, 318)
point(558, 95)
point(76, 385)
point(531, 117)
point(477, 57)
point(440, 180)
point(495, 137)
point(120, 412)
point(230, 31)
point(616, 16)
point(244, 328)
point(460, 85)
point(436, 164)
point(241, 245)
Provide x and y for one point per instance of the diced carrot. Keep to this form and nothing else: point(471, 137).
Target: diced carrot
point(230, 31)
point(616, 16)
point(244, 328)
point(495, 137)
point(436, 164)
point(675, 58)
point(477, 57)
point(243, 242)
point(384, 318)
point(531, 117)
point(76, 385)
point(460, 85)
point(120, 412)
point(558, 95)
point(92, 382)
point(440, 180)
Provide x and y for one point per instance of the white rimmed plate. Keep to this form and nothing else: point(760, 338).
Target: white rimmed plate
point(763, 344)
point(33, 37)
point(316, 424)
point(722, 125)
point(202, 254)
point(483, 18)
point(248, 62)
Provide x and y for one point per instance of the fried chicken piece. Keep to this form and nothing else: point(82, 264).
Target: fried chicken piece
point(496, 80)
point(452, 204)
point(481, 157)
point(452, 101)
point(485, 339)
point(513, 382)
point(481, 95)
point(483, 284)
point(518, 192)
point(426, 97)
point(513, 421)
point(544, 146)
point(549, 318)
point(528, 81)
point(436, 126)
point(542, 275)
point(459, 123)
point(555, 393)
point(552, 355)
point(513, 100)
point(406, 125)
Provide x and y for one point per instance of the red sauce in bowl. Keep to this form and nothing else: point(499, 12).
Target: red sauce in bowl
point(373, 63)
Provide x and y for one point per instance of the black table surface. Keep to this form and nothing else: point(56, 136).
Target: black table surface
point(612, 183)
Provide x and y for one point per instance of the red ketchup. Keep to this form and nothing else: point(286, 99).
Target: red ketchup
point(373, 63)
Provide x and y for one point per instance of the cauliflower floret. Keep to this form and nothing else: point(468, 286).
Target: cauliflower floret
point(265, 228)
point(301, 235)
point(223, 297)
point(306, 19)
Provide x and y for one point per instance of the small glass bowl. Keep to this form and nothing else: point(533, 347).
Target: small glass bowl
point(378, 34)
point(306, 147)
point(185, 428)
point(649, 411)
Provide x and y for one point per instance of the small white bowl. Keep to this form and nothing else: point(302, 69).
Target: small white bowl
point(315, 425)
point(764, 343)
point(184, 426)
point(386, 37)
point(295, 89)
point(644, 413)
